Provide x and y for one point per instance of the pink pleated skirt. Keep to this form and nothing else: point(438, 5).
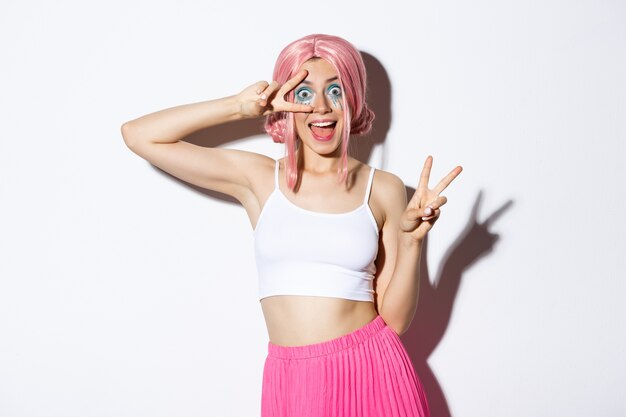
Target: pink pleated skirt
point(366, 373)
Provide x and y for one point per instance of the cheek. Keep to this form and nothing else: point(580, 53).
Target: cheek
point(340, 127)
point(299, 123)
point(337, 102)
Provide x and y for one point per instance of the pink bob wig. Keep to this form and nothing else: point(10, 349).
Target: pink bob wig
point(348, 63)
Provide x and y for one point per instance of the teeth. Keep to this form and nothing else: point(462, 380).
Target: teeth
point(322, 124)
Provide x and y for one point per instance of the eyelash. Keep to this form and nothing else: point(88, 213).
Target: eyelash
point(329, 92)
point(332, 87)
point(301, 99)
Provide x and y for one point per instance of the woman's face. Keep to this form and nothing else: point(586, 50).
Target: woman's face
point(320, 130)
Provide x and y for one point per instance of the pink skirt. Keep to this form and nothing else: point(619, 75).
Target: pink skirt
point(366, 373)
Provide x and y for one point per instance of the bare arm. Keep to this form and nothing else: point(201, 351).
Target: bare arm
point(170, 125)
point(157, 136)
point(392, 257)
point(403, 235)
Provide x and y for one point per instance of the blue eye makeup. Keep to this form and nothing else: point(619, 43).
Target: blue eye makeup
point(334, 90)
point(335, 93)
point(304, 95)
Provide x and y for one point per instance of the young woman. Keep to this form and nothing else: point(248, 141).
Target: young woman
point(337, 246)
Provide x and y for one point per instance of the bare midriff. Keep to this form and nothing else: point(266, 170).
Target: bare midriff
point(296, 320)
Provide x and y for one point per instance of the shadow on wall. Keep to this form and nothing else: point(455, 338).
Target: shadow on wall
point(436, 300)
point(379, 100)
point(219, 135)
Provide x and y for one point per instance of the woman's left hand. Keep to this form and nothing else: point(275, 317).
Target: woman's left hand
point(423, 209)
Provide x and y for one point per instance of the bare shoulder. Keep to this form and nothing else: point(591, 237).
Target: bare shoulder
point(388, 185)
point(388, 196)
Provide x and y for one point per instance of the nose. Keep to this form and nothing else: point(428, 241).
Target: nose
point(320, 104)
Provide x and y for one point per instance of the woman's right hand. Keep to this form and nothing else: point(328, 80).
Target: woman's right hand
point(263, 98)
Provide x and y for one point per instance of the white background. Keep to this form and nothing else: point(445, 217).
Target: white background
point(126, 292)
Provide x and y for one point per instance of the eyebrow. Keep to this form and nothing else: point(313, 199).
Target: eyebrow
point(327, 81)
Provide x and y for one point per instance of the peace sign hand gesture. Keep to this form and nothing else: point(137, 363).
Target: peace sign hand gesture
point(423, 209)
point(263, 98)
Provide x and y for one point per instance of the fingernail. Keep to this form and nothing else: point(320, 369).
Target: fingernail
point(428, 211)
point(263, 96)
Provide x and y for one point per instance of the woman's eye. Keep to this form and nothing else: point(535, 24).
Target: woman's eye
point(303, 95)
point(334, 90)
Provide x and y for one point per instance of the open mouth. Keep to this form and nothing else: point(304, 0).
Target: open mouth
point(323, 130)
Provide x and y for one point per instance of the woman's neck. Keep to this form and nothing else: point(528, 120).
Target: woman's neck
point(312, 162)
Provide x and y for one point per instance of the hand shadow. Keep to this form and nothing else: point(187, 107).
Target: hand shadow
point(436, 300)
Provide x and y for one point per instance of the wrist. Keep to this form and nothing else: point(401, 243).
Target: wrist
point(235, 108)
point(407, 240)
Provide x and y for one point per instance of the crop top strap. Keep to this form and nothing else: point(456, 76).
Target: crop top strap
point(276, 175)
point(369, 185)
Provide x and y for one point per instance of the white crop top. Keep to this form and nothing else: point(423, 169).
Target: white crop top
point(304, 252)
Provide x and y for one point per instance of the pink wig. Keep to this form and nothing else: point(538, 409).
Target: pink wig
point(347, 62)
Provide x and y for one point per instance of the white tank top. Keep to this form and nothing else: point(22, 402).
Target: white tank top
point(304, 252)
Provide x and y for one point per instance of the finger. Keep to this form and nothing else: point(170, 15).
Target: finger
point(297, 108)
point(423, 182)
point(415, 198)
point(438, 202)
point(271, 87)
point(434, 215)
point(260, 86)
point(447, 179)
point(410, 220)
point(293, 82)
point(267, 92)
point(414, 215)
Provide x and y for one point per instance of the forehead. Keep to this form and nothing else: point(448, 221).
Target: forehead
point(319, 70)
